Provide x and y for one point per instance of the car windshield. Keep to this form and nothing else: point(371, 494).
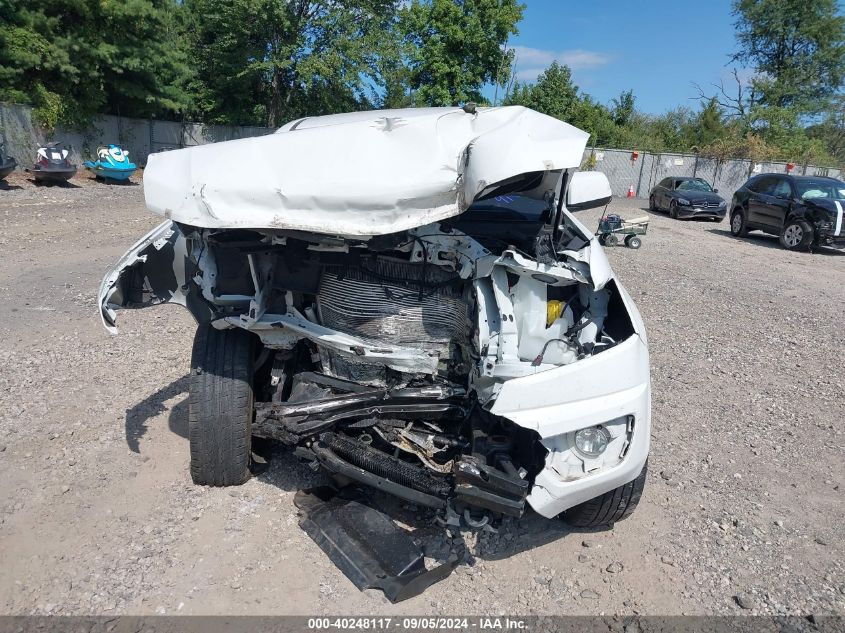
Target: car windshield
point(808, 189)
point(693, 185)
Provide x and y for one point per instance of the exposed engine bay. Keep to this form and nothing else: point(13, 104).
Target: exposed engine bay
point(381, 359)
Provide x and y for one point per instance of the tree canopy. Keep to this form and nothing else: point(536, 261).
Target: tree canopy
point(796, 48)
point(74, 58)
point(266, 62)
point(454, 47)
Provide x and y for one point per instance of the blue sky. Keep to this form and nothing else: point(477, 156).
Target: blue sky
point(655, 47)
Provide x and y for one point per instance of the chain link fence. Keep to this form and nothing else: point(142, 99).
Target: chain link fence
point(140, 137)
point(638, 172)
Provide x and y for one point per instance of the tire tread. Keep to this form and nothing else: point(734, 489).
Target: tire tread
point(607, 509)
point(220, 406)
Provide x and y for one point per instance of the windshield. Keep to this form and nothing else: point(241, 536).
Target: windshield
point(808, 189)
point(693, 185)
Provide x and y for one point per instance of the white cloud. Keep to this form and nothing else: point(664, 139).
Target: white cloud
point(530, 62)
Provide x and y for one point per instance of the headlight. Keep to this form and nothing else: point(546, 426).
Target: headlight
point(722, 204)
point(592, 441)
point(683, 201)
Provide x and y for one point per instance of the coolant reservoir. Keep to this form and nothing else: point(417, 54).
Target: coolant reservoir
point(536, 326)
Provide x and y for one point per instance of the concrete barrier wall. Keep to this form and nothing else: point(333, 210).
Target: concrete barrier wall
point(140, 137)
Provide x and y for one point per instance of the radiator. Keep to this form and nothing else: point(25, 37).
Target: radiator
point(393, 301)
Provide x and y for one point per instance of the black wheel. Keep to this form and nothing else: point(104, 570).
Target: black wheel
point(610, 507)
point(632, 241)
point(651, 205)
point(673, 210)
point(602, 238)
point(220, 406)
point(611, 240)
point(739, 227)
point(797, 235)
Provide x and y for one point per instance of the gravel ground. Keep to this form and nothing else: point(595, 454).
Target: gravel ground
point(742, 512)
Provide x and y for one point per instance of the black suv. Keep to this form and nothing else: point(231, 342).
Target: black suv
point(803, 210)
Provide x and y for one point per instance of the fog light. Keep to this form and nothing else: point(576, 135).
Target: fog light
point(591, 442)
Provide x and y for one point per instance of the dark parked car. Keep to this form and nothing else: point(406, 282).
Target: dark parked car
point(685, 198)
point(803, 211)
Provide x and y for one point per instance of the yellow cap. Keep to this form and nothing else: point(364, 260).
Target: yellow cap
point(553, 310)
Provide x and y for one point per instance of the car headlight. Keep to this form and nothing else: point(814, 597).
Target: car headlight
point(683, 201)
point(591, 450)
point(722, 204)
point(591, 442)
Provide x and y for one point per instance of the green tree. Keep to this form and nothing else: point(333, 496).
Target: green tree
point(797, 49)
point(709, 124)
point(455, 47)
point(269, 61)
point(553, 93)
point(23, 49)
point(223, 39)
point(74, 58)
point(623, 107)
point(142, 61)
point(831, 130)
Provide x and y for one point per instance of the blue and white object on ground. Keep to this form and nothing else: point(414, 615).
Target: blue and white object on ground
point(112, 163)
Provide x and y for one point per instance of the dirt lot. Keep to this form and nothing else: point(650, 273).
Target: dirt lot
point(743, 511)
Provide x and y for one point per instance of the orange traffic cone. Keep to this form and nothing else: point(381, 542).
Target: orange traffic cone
point(631, 191)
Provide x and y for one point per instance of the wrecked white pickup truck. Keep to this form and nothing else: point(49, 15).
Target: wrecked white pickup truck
point(404, 297)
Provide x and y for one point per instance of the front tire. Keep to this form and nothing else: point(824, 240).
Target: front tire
point(673, 210)
point(632, 241)
point(796, 235)
point(220, 406)
point(610, 507)
point(739, 227)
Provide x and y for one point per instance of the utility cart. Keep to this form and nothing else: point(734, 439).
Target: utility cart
point(613, 229)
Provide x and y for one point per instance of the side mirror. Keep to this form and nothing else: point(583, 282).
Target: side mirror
point(587, 190)
point(715, 191)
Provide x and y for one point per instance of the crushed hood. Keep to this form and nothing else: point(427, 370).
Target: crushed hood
point(363, 173)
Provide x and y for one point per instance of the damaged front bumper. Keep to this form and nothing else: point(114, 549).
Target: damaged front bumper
point(610, 389)
point(550, 398)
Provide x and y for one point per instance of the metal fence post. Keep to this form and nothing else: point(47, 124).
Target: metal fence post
point(695, 167)
point(640, 177)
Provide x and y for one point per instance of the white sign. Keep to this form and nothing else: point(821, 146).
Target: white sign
point(679, 161)
point(599, 156)
point(757, 168)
